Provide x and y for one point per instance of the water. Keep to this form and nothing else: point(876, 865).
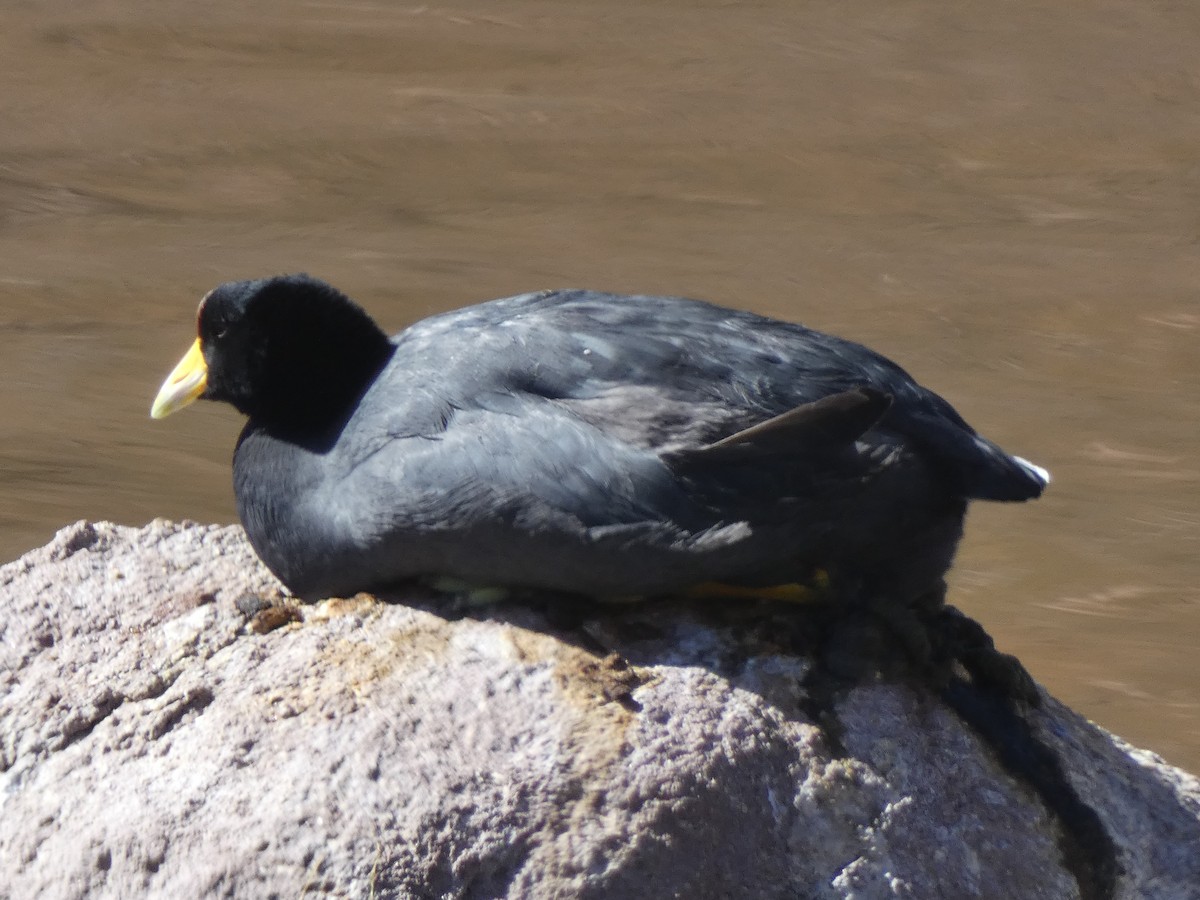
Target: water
point(1001, 197)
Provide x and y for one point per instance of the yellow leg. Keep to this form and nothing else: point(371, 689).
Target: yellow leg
point(793, 592)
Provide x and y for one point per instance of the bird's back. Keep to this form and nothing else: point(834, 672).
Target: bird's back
point(667, 373)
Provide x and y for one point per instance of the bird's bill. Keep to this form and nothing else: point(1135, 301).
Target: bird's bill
point(185, 384)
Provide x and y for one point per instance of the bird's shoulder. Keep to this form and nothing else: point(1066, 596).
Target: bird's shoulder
point(651, 372)
point(661, 351)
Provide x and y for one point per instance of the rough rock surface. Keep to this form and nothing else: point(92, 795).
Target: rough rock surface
point(155, 741)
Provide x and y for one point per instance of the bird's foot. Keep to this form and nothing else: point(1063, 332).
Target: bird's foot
point(466, 592)
point(815, 589)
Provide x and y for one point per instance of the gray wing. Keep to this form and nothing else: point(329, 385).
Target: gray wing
point(502, 494)
point(669, 374)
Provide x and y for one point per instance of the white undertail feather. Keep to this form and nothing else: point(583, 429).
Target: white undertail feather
point(1036, 471)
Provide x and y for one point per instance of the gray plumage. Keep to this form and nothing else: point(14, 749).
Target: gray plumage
point(585, 442)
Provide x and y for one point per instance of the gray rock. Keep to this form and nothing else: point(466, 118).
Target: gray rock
point(156, 742)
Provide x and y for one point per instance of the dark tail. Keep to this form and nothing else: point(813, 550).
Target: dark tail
point(1001, 476)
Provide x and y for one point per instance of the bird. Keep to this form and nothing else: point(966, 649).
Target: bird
point(581, 442)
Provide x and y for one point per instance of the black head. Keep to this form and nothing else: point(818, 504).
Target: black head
point(291, 352)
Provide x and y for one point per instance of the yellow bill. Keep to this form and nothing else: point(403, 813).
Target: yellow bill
point(186, 382)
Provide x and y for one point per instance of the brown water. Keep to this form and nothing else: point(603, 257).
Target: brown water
point(1003, 197)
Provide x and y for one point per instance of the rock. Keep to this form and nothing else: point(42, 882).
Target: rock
point(163, 733)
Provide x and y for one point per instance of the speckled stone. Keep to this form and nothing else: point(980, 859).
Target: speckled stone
point(153, 742)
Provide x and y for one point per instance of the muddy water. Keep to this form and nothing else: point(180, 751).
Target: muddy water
point(1002, 197)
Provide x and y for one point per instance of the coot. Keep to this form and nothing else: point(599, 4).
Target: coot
point(571, 440)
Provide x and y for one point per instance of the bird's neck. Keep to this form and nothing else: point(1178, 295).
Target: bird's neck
point(317, 384)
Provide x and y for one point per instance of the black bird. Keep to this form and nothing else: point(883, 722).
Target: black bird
point(585, 442)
